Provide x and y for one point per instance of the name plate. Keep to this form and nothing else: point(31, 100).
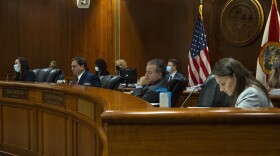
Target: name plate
point(16, 93)
point(53, 98)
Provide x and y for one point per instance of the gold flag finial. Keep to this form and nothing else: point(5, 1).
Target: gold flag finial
point(200, 9)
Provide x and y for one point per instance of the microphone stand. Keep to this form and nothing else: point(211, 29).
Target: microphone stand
point(200, 85)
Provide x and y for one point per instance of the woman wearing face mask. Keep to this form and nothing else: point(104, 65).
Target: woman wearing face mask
point(100, 67)
point(22, 71)
point(238, 83)
point(120, 64)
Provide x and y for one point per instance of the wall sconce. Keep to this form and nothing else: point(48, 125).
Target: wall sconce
point(83, 3)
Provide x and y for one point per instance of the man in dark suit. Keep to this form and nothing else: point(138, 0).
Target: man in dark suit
point(148, 86)
point(83, 76)
point(171, 68)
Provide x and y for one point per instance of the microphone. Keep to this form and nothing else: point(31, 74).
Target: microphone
point(197, 86)
point(7, 77)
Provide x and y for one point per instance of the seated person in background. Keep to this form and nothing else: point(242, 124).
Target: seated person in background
point(119, 65)
point(171, 68)
point(154, 78)
point(83, 76)
point(52, 64)
point(22, 71)
point(274, 78)
point(238, 83)
point(100, 67)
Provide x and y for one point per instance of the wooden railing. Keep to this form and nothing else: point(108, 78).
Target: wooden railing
point(65, 120)
point(57, 120)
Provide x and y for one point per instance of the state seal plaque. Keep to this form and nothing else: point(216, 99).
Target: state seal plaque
point(241, 21)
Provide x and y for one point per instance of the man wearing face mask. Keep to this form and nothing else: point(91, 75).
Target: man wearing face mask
point(22, 71)
point(171, 68)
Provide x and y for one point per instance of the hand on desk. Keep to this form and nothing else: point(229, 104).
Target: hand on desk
point(128, 92)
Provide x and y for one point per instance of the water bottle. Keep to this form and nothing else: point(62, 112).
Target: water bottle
point(165, 99)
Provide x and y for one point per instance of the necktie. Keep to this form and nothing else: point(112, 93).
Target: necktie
point(76, 81)
point(170, 78)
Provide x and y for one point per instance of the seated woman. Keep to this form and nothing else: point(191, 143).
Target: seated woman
point(242, 87)
point(22, 71)
point(100, 67)
point(120, 64)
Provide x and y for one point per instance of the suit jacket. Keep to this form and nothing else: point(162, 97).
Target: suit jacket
point(29, 76)
point(252, 97)
point(149, 92)
point(89, 79)
point(177, 76)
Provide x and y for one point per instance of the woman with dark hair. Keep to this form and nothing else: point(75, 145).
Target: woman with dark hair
point(100, 67)
point(22, 71)
point(242, 87)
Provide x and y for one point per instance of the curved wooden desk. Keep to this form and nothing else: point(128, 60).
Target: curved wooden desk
point(62, 120)
point(57, 120)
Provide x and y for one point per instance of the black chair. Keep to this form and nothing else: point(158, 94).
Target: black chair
point(53, 75)
point(176, 87)
point(43, 75)
point(105, 79)
point(36, 72)
point(113, 83)
point(211, 96)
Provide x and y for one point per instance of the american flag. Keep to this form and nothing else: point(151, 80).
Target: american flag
point(198, 60)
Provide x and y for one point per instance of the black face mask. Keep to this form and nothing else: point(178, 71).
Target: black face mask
point(118, 67)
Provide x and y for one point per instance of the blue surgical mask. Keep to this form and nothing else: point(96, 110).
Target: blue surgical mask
point(168, 69)
point(17, 68)
point(96, 68)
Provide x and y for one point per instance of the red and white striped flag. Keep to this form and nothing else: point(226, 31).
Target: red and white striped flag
point(271, 35)
point(198, 60)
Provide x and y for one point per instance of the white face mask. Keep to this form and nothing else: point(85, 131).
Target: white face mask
point(168, 69)
point(17, 68)
point(96, 68)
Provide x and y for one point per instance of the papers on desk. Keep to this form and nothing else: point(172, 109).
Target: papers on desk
point(274, 91)
point(190, 89)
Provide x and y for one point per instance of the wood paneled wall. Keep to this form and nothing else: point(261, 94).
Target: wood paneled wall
point(164, 29)
point(43, 30)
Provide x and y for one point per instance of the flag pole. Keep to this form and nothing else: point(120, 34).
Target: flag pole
point(200, 9)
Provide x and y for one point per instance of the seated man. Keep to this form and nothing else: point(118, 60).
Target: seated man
point(83, 76)
point(154, 79)
point(171, 68)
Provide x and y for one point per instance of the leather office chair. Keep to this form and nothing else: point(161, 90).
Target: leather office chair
point(43, 75)
point(105, 79)
point(113, 83)
point(211, 96)
point(53, 75)
point(176, 87)
point(36, 72)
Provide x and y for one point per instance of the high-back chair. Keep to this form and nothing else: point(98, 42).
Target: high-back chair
point(54, 75)
point(113, 83)
point(211, 96)
point(105, 79)
point(176, 87)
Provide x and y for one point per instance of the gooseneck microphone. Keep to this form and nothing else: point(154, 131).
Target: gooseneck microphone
point(7, 77)
point(195, 87)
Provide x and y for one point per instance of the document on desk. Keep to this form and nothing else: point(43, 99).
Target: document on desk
point(274, 91)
